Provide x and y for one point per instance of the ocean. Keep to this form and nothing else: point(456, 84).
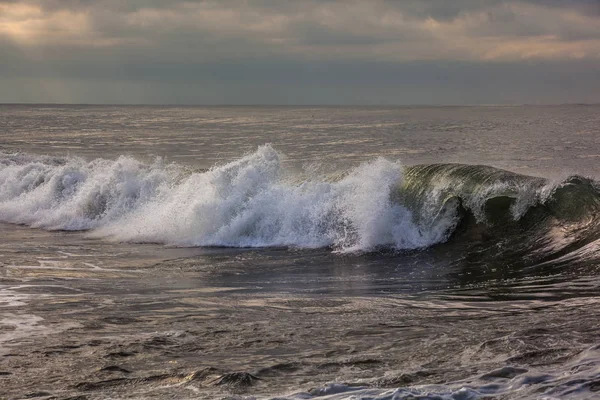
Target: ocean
point(299, 252)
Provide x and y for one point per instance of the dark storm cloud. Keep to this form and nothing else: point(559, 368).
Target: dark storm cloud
point(224, 48)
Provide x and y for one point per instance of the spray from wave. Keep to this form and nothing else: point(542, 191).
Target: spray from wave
point(249, 202)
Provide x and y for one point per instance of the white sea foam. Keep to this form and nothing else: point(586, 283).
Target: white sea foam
point(250, 202)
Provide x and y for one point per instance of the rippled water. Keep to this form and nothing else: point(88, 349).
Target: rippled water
point(327, 252)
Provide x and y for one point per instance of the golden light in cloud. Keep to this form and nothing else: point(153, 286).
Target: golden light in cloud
point(342, 30)
point(477, 38)
point(28, 24)
point(547, 47)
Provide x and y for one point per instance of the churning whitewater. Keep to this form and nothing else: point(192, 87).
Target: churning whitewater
point(250, 202)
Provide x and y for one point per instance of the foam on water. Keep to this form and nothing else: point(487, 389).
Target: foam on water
point(250, 202)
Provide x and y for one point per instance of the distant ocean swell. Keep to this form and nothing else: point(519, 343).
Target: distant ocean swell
point(255, 202)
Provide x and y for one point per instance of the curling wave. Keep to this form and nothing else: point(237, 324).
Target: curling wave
point(506, 218)
point(254, 202)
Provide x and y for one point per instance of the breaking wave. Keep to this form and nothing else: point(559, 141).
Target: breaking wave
point(248, 202)
point(255, 202)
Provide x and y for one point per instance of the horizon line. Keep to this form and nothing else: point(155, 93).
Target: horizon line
point(296, 105)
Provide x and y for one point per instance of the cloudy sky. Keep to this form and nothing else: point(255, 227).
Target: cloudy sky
point(300, 51)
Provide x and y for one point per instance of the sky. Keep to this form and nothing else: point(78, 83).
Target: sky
point(367, 52)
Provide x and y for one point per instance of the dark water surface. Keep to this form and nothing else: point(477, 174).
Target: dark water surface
point(348, 258)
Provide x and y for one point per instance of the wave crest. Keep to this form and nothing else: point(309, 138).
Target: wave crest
point(246, 203)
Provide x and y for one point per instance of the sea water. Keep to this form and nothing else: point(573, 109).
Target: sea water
point(299, 252)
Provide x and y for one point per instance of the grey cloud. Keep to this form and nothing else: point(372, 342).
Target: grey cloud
point(279, 26)
point(411, 51)
point(448, 10)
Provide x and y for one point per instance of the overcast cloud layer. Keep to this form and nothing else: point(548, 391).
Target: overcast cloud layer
point(300, 52)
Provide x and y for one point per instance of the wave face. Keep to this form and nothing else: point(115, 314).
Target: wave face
point(255, 202)
point(508, 218)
